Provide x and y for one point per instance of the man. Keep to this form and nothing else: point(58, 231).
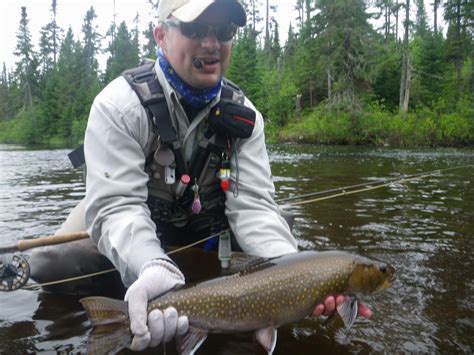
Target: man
point(130, 200)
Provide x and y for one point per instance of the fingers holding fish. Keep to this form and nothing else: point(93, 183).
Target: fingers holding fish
point(156, 326)
point(330, 303)
point(164, 325)
point(327, 307)
point(364, 311)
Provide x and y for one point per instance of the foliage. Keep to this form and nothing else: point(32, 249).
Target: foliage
point(245, 67)
point(378, 126)
point(23, 129)
point(346, 70)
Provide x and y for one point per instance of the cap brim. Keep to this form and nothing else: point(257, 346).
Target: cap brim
point(192, 10)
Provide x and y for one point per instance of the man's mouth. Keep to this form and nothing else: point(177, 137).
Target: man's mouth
point(211, 61)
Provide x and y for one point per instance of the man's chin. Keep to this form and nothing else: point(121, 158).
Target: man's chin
point(206, 80)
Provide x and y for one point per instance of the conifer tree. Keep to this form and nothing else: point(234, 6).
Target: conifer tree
point(26, 66)
point(342, 35)
point(7, 104)
point(91, 45)
point(149, 49)
point(125, 53)
point(244, 65)
point(460, 17)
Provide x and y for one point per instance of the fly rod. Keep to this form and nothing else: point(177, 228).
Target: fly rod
point(25, 244)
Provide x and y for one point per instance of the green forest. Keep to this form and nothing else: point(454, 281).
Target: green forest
point(350, 72)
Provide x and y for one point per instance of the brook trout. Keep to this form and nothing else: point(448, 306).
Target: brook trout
point(260, 298)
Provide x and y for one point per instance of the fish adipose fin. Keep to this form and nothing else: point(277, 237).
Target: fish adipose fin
point(109, 317)
point(348, 311)
point(267, 338)
point(191, 341)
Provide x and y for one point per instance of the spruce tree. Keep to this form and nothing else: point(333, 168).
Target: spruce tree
point(26, 66)
point(124, 53)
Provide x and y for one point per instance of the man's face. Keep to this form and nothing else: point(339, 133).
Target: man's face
point(181, 51)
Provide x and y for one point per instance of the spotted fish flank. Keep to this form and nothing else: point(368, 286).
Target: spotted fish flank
point(262, 298)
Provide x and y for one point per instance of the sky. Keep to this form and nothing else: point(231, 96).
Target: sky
point(72, 12)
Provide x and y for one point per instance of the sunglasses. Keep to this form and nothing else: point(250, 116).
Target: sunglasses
point(198, 31)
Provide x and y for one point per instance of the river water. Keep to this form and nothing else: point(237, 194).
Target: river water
point(424, 228)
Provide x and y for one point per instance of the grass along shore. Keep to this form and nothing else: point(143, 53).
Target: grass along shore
point(424, 127)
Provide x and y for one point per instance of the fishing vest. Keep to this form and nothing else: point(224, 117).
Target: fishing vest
point(181, 193)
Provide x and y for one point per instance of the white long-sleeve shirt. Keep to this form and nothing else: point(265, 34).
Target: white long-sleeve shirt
point(117, 216)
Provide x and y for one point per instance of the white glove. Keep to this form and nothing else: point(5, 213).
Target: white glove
point(156, 277)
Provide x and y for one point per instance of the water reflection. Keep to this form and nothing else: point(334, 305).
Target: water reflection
point(425, 228)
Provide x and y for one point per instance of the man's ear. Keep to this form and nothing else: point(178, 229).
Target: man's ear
point(159, 35)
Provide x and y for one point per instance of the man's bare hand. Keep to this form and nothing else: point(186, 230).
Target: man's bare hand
point(331, 302)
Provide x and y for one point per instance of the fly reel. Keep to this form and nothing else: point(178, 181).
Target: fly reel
point(13, 274)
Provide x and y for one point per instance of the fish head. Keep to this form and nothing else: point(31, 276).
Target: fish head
point(370, 276)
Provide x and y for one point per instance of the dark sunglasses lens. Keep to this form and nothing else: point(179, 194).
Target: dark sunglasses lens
point(225, 33)
point(198, 31)
point(194, 30)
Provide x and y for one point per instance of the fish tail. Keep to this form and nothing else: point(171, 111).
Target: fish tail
point(109, 317)
point(104, 310)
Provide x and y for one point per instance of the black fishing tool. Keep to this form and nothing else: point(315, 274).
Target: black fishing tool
point(14, 272)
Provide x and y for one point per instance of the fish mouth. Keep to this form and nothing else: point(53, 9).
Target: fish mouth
point(388, 282)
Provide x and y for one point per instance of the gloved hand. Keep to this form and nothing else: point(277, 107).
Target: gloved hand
point(156, 277)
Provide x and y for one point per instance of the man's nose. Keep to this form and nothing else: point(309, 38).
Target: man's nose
point(210, 41)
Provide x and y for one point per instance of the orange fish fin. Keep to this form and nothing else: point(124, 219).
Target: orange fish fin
point(191, 341)
point(267, 338)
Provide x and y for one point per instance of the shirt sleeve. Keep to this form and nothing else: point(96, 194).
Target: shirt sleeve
point(254, 217)
point(117, 217)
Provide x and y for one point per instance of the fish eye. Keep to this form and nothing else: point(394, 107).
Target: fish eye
point(383, 268)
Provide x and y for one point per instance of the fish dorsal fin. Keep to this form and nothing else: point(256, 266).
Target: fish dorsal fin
point(191, 341)
point(241, 261)
point(348, 311)
point(267, 338)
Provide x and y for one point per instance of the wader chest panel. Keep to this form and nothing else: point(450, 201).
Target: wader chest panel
point(167, 209)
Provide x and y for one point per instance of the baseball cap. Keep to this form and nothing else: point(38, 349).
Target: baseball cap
point(189, 10)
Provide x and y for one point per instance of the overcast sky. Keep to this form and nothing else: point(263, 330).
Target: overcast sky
point(72, 12)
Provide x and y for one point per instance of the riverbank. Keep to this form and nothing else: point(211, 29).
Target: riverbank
point(377, 127)
point(374, 126)
point(30, 128)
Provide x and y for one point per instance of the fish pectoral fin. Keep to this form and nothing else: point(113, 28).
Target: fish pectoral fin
point(191, 341)
point(348, 311)
point(267, 338)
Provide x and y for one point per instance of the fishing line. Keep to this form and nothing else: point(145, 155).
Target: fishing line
point(368, 187)
point(98, 273)
point(381, 182)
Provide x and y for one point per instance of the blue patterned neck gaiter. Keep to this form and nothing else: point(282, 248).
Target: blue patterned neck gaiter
point(195, 97)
